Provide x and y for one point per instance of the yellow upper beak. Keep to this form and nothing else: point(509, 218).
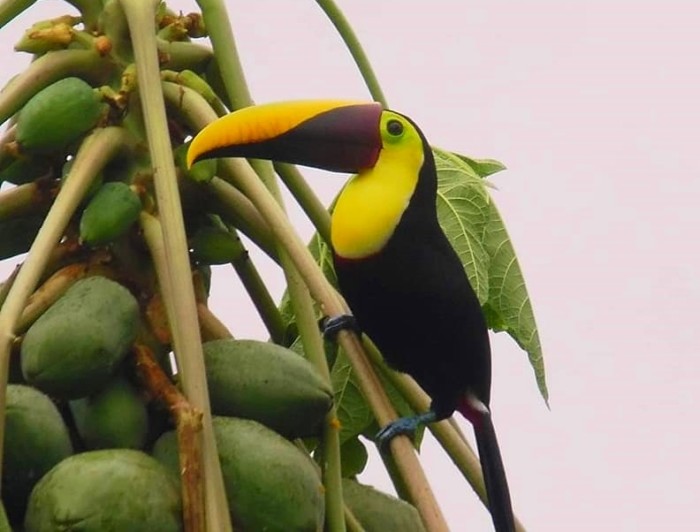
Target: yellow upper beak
point(331, 134)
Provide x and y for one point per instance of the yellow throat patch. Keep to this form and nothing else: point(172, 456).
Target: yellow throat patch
point(371, 205)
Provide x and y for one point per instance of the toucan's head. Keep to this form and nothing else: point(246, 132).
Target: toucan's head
point(336, 135)
point(383, 147)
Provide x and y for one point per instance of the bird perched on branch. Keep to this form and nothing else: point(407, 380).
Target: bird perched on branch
point(404, 282)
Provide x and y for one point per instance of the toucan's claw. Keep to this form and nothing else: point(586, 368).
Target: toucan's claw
point(331, 326)
point(403, 426)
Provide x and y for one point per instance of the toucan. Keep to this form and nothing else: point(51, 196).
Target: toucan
point(404, 283)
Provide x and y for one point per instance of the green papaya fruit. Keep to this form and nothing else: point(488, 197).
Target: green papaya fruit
point(109, 214)
point(166, 452)
point(73, 349)
point(270, 484)
point(113, 418)
point(268, 383)
point(200, 172)
point(36, 439)
point(57, 116)
point(214, 245)
point(94, 186)
point(17, 234)
point(111, 490)
point(378, 512)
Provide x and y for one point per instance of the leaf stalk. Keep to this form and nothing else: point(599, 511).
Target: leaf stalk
point(178, 278)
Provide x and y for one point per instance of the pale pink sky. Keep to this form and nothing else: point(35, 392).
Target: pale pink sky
point(593, 106)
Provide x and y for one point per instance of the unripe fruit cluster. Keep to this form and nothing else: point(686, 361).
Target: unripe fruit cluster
point(87, 442)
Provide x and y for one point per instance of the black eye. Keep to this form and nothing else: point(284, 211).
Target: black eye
point(394, 128)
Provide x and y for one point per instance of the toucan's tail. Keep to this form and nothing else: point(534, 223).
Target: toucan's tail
point(491, 464)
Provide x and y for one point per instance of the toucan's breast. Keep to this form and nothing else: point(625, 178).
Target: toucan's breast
point(371, 205)
point(415, 302)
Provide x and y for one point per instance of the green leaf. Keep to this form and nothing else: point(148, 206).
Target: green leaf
point(354, 458)
point(476, 230)
point(322, 253)
point(508, 307)
point(463, 213)
point(352, 409)
point(482, 167)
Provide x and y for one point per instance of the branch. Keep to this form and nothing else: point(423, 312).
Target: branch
point(188, 424)
point(346, 32)
point(46, 70)
point(237, 91)
point(175, 274)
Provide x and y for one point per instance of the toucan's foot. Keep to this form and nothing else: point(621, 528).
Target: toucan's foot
point(403, 426)
point(331, 326)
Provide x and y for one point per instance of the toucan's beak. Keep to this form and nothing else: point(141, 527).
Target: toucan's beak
point(334, 135)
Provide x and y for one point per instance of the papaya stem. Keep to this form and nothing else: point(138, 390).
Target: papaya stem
point(312, 341)
point(191, 80)
point(46, 70)
point(9, 9)
point(219, 28)
point(351, 521)
point(306, 198)
point(7, 284)
point(188, 424)
point(183, 55)
point(212, 327)
point(346, 32)
point(89, 12)
point(94, 153)
point(8, 143)
point(237, 210)
point(258, 292)
point(153, 236)
point(49, 292)
point(194, 111)
point(25, 199)
point(190, 452)
point(182, 312)
point(313, 348)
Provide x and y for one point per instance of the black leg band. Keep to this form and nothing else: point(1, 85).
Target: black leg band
point(331, 326)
